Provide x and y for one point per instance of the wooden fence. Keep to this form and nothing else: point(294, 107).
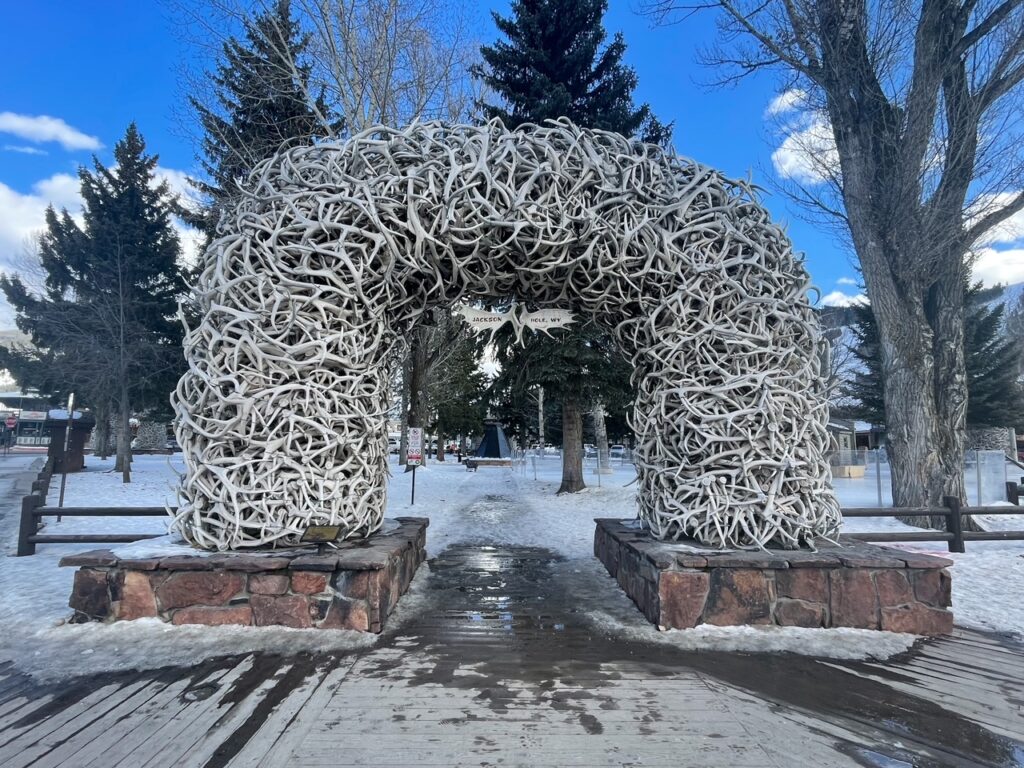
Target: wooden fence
point(954, 535)
point(34, 509)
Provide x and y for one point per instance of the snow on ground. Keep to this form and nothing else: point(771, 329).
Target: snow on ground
point(507, 506)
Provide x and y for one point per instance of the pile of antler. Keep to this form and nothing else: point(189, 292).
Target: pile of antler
point(335, 250)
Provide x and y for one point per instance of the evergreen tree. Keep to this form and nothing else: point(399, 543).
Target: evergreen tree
point(994, 394)
point(865, 387)
point(552, 65)
point(104, 325)
point(262, 103)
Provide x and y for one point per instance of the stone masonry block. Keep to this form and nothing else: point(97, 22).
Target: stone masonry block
point(854, 602)
point(90, 595)
point(739, 596)
point(810, 584)
point(893, 588)
point(268, 583)
point(933, 587)
point(213, 616)
point(308, 582)
point(799, 613)
point(137, 598)
point(917, 619)
point(189, 588)
point(681, 597)
point(285, 610)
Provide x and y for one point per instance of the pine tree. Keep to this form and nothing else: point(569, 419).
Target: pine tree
point(994, 394)
point(865, 386)
point(105, 325)
point(552, 65)
point(263, 102)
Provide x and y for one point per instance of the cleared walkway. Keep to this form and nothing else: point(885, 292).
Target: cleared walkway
point(499, 662)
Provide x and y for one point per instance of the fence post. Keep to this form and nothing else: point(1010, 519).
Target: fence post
point(28, 525)
point(1012, 492)
point(954, 524)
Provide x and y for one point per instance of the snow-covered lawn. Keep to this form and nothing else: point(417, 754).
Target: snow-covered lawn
point(499, 505)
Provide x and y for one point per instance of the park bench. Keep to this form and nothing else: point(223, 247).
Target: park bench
point(471, 465)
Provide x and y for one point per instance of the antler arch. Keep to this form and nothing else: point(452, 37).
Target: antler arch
point(336, 249)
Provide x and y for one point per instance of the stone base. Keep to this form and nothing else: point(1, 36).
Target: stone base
point(356, 586)
point(678, 586)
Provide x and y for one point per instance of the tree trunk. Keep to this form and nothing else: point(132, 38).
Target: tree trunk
point(403, 438)
point(418, 364)
point(946, 315)
point(124, 447)
point(440, 443)
point(572, 446)
point(906, 337)
point(101, 444)
point(601, 436)
point(540, 417)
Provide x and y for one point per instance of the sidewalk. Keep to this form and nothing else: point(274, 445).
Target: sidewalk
point(506, 652)
point(496, 663)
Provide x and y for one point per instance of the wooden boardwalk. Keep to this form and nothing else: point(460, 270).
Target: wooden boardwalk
point(495, 675)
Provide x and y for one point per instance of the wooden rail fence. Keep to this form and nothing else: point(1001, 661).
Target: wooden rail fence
point(34, 509)
point(954, 535)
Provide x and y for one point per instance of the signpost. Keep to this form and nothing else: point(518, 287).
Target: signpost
point(64, 458)
point(543, 320)
point(414, 456)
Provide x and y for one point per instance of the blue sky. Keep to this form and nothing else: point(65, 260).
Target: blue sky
point(94, 67)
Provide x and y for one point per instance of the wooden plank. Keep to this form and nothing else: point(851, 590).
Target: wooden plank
point(92, 538)
point(167, 734)
point(63, 746)
point(102, 511)
point(198, 745)
point(893, 511)
point(992, 511)
point(901, 536)
point(993, 535)
point(26, 743)
point(273, 743)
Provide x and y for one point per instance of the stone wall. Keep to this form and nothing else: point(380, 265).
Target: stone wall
point(354, 587)
point(857, 585)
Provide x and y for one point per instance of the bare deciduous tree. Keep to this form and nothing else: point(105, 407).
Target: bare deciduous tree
point(918, 153)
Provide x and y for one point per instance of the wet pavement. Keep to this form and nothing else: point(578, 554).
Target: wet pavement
point(504, 655)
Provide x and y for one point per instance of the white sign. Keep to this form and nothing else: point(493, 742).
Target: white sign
point(414, 453)
point(542, 320)
point(545, 319)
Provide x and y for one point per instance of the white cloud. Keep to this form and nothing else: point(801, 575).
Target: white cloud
point(808, 154)
point(840, 299)
point(179, 183)
point(42, 128)
point(846, 281)
point(24, 150)
point(786, 102)
point(994, 266)
point(22, 216)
